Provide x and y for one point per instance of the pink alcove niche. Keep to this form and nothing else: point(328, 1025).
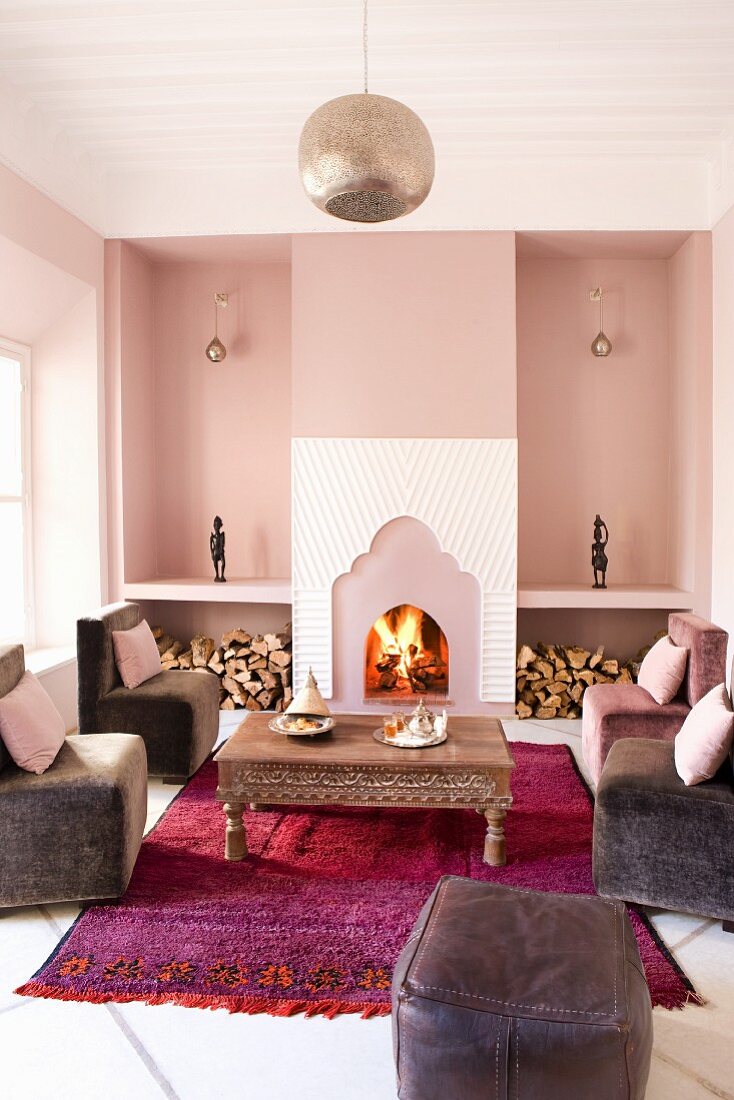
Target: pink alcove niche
point(405, 565)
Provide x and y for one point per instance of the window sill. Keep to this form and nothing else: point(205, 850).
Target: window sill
point(39, 661)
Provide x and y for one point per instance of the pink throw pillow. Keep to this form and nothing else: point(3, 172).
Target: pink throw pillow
point(705, 739)
point(136, 654)
point(663, 669)
point(30, 725)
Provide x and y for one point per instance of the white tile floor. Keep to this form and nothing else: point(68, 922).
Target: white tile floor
point(55, 1049)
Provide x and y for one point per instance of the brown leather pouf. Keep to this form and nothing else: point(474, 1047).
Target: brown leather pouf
point(505, 994)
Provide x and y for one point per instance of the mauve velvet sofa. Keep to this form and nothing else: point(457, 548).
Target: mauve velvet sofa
point(658, 842)
point(74, 832)
point(616, 711)
point(176, 712)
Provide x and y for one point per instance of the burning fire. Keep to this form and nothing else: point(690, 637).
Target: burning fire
point(406, 652)
point(405, 639)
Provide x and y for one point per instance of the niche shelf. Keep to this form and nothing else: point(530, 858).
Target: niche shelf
point(633, 596)
point(206, 590)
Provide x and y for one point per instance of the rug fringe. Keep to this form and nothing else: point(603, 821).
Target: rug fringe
point(692, 998)
point(250, 1005)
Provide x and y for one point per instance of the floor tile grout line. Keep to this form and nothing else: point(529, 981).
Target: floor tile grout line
point(143, 1053)
point(693, 935)
point(51, 920)
point(551, 729)
point(13, 1008)
point(693, 1076)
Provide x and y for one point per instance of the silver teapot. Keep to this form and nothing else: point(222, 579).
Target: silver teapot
point(422, 720)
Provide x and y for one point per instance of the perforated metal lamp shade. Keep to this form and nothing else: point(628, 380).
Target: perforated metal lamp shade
point(366, 158)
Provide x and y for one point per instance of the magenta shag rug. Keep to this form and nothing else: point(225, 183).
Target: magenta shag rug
point(314, 919)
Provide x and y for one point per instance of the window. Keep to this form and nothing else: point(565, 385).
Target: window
point(16, 580)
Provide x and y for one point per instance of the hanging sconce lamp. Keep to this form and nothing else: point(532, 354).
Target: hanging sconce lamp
point(364, 157)
point(215, 349)
point(601, 345)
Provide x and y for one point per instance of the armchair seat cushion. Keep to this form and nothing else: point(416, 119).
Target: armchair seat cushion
point(659, 842)
point(615, 711)
point(176, 713)
point(73, 832)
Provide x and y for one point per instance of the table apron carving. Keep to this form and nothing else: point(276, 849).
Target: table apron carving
point(360, 786)
point(474, 783)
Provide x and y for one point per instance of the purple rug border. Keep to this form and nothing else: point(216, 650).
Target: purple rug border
point(696, 997)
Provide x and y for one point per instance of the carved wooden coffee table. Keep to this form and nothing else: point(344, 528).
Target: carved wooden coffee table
point(347, 767)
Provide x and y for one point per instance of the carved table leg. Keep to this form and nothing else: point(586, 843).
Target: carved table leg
point(494, 844)
point(235, 841)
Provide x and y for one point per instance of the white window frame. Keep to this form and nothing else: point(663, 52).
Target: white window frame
point(22, 354)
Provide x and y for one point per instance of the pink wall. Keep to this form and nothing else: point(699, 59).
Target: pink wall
point(196, 439)
point(691, 331)
point(113, 419)
point(404, 334)
point(184, 619)
point(137, 395)
point(33, 293)
point(222, 432)
point(594, 435)
point(622, 632)
point(36, 223)
point(64, 473)
point(722, 597)
point(69, 418)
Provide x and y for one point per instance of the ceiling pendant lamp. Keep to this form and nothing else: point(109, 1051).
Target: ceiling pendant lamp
point(215, 349)
point(364, 157)
point(601, 345)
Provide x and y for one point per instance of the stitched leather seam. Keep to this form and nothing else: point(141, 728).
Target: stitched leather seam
point(497, 1063)
point(615, 921)
point(509, 1004)
point(517, 1060)
point(619, 1070)
point(433, 920)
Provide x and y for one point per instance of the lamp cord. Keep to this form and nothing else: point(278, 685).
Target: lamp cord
point(364, 43)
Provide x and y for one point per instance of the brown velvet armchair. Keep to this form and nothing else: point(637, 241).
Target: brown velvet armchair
point(176, 712)
point(613, 712)
point(72, 833)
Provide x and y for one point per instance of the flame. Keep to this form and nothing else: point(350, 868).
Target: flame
point(404, 636)
point(406, 645)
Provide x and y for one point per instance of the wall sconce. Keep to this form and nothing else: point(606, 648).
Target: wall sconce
point(215, 349)
point(601, 345)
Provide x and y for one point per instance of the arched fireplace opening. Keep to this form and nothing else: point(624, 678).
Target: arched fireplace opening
point(406, 656)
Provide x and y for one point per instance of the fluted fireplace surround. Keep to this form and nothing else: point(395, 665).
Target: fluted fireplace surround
point(432, 523)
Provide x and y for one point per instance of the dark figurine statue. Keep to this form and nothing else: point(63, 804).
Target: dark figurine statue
point(599, 560)
point(216, 548)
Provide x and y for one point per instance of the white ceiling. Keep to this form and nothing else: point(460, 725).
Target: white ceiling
point(111, 106)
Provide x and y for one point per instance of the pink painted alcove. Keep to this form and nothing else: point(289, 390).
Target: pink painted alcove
point(405, 564)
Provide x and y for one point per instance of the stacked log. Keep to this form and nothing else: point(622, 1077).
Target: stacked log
point(254, 671)
point(552, 679)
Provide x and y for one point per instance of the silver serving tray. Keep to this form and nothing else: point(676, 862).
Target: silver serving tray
point(408, 740)
point(276, 727)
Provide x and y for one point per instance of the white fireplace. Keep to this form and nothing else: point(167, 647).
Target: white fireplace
point(384, 522)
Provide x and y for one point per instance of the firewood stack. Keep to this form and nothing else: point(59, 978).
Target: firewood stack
point(552, 679)
point(254, 672)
